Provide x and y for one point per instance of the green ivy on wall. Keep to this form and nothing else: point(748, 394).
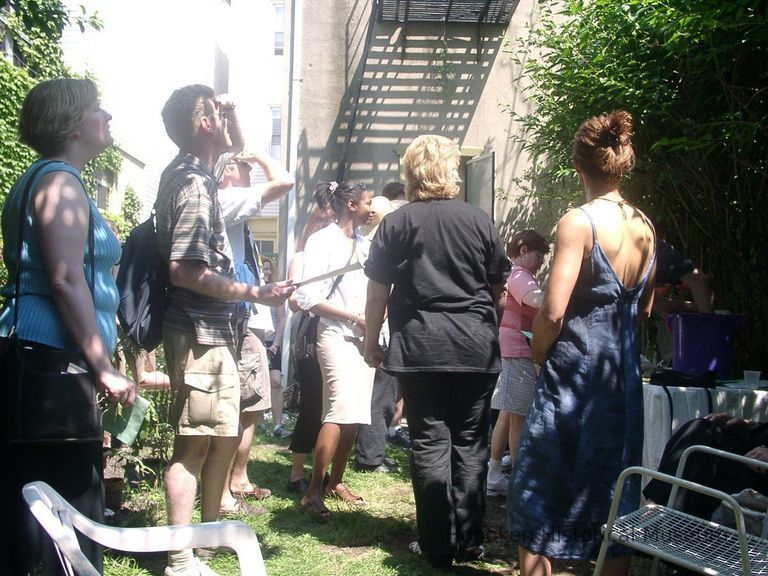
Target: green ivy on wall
point(105, 166)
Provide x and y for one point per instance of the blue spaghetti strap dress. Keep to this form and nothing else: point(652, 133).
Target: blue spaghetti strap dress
point(586, 422)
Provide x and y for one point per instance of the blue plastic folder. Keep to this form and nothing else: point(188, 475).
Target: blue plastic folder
point(124, 422)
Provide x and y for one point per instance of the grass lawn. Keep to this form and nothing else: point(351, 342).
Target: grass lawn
point(372, 541)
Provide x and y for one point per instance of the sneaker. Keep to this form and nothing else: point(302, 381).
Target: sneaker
point(383, 468)
point(506, 463)
point(444, 563)
point(400, 438)
point(415, 547)
point(497, 487)
point(198, 568)
point(471, 554)
point(282, 433)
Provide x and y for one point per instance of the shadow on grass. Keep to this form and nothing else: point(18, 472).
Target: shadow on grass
point(386, 525)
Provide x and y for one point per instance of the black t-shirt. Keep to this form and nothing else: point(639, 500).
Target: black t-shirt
point(441, 258)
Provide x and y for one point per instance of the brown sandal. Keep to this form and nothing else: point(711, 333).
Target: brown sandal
point(341, 492)
point(315, 507)
point(255, 492)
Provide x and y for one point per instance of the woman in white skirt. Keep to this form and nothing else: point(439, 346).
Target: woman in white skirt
point(513, 395)
point(340, 304)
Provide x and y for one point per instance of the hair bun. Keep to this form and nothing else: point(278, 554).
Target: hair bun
point(619, 129)
point(602, 146)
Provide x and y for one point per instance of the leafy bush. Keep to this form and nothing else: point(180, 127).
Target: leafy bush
point(131, 209)
point(692, 75)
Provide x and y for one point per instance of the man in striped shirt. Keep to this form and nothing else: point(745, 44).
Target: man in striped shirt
point(199, 329)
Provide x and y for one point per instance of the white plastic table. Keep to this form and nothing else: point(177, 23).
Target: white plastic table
point(661, 420)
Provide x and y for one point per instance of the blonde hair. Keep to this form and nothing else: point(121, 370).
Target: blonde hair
point(52, 111)
point(431, 165)
point(602, 147)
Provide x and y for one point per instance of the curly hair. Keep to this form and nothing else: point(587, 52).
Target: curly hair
point(52, 111)
point(431, 165)
point(183, 110)
point(602, 147)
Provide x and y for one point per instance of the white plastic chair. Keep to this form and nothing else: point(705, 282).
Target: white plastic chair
point(60, 520)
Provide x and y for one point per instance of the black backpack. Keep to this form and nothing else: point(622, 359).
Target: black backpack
point(142, 281)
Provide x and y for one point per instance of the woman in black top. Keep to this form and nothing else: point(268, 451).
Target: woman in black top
point(446, 268)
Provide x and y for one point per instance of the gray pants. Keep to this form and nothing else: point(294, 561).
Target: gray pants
point(372, 438)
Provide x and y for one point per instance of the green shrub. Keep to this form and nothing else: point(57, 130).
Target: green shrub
point(692, 75)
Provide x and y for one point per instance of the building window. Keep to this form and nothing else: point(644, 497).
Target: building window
point(279, 29)
point(266, 247)
point(277, 127)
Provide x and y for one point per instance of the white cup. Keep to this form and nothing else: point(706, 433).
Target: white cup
point(751, 378)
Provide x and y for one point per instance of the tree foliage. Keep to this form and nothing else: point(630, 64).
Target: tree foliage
point(693, 76)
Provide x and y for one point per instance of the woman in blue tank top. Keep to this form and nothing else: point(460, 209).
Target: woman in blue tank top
point(57, 306)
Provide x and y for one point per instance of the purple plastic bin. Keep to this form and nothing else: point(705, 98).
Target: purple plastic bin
point(704, 342)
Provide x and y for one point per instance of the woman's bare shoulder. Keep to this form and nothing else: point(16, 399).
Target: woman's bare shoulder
point(57, 181)
point(574, 221)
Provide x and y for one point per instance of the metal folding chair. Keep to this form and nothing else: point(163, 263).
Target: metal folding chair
point(673, 536)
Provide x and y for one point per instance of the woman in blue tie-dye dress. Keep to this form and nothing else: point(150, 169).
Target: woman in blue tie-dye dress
point(585, 425)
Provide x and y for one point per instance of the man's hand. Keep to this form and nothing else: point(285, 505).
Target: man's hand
point(117, 387)
point(730, 421)
point(358, 325)
point(224, 102)
point(226, 106)
point(759, 453)
point(275, 293)
point(373, 354)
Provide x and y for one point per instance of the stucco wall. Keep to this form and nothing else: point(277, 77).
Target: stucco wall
point(438, 85)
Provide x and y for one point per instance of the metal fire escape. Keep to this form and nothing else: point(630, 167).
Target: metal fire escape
point(479, 12)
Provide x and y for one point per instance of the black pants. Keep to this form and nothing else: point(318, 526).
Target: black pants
point(310, 406)
point(76, 472)
point(448, 420)
point(725, 475)
point(372, 438)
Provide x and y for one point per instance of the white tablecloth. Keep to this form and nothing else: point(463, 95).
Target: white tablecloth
point(690, 403)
